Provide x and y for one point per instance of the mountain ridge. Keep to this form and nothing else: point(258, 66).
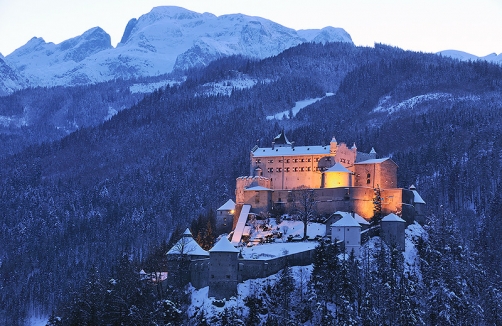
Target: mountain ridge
point(157, 42)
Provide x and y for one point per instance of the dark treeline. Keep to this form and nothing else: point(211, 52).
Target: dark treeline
point(124, 185)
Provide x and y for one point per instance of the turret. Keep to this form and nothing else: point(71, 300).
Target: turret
point(333, 146)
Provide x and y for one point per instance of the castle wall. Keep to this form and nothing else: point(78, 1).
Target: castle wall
point(392, 200)
point(383, 175)
point(241, 195)
point(255, 268)
point(199, 273)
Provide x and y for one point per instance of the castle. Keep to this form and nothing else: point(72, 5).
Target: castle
point(346, 186)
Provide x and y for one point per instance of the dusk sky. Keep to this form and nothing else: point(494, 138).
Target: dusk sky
point(421, 25)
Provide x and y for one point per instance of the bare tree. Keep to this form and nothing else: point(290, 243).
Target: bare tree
point(305, 205)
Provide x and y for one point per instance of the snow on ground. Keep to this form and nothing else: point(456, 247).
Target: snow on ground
point(38, 321)
point(411, 259)
point(294, 228)
point(150, 87)
point(16, 121)
point(298, 106)
point(259, 231)
point(384, 106)
point(226, 86)
point(272, 250)
point(200, 298)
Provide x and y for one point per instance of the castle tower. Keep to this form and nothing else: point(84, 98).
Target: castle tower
point(180, 256)
point(225, 217)
point(393, 231)
point(419, 205)
point(223, 269)
point(349, 231)
point(337, 176)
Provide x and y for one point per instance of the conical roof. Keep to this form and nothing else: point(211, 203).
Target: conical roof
point(392, 218)
point(223, 246)
point(187, 246)
point(338, 167)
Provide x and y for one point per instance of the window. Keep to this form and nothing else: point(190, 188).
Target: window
point(287, 161)
point(258, 160)
point(368, 176)
point(309, 169)
point(309, 160)
point(280, 161)
point(302, 169)
point(287, 169)
point(270, 161)
point(368, 181)
point(295, 169)
point(270, 170)
point(295, 160)
point(278, 170)
point(317, 159)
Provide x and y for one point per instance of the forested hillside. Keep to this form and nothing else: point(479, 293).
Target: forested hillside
point(122, 186)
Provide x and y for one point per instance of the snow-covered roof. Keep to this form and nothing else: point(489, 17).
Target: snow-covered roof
point(291, 151)
point(338, 167)
point(223, 246)
point(346, 220)
point(187, 245)
point(187, 232)
point(374, 161)
point(392, 218)
point(228, 206)
point(417, 199)
point(361, 220)
point(257, 188)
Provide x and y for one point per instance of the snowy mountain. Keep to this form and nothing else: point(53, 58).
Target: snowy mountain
point(9, 79)
point(164, 39)
point(464, 56)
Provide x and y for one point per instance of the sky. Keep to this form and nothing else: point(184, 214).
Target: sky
point(473, 26)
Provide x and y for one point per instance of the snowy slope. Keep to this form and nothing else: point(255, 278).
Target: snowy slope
point(9, 79)
point(464, 56)
point(155, 44)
